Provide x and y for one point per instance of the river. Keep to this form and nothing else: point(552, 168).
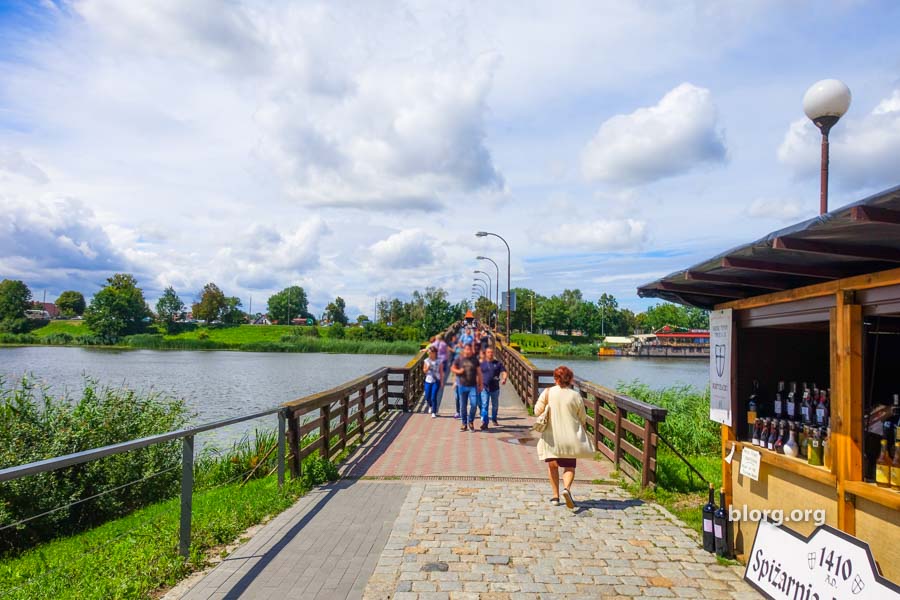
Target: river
point(219, 384)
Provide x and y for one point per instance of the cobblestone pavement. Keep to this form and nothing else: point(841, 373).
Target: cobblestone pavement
point(417, 445)
point(495, 540)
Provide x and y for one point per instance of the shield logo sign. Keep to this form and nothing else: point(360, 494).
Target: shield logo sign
point(858, 585)
point(720, 359)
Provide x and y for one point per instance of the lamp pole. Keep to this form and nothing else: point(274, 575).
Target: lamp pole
point(825, 102)
point(508, 270)
point(496, 280)
point(489, 280)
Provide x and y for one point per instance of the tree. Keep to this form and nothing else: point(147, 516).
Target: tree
point(660, 315)
point(439, 314)
point(697, 318)
point(587, 318)
point(15, 299)
point(118, 308)
point(483, 309)
point(289, 303)
point(526, 313)
point(232, 313)
point(572, 300)
point(211, 305)
point(71, 303)
point(362, 319)
point(168, 307)
point(552, 314)
point(334, 312)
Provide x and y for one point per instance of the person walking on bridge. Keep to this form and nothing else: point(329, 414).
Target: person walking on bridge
point(469, 382)
point(493, 374)
point(433, 388)
point(565, 438)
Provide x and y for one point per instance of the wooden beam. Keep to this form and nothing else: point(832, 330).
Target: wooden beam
point(687, 289)
point(763, 284)
point(752, 264)
point(857, 282)
point(873, 214)
point(828, 248)
point(847, 405)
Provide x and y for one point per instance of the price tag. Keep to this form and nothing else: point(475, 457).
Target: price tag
point(827, 564)
point(750, 463)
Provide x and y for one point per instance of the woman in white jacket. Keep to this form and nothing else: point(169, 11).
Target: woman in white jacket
point(565, 438)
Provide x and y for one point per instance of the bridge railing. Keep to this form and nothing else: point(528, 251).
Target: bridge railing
point(624, 429)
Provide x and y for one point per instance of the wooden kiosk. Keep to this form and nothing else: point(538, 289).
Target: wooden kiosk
point(815, 302)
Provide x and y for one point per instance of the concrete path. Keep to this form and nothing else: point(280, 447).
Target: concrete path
point(479, 526)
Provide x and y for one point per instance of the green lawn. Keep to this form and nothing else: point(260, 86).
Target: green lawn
point(134, 556)
point(70, 327)
point(241, 334)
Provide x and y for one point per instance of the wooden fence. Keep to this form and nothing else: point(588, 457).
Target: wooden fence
point(330, 421)
point(624, 429)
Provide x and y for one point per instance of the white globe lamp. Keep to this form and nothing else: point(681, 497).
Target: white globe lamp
point(825, 102)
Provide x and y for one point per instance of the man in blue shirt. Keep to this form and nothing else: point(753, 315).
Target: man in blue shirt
point(466, 338)
point(493, 375)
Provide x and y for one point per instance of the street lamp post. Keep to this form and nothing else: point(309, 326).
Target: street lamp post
point(480, 286)
point(496, 280)
point(508, 270)
point(824, 103)
point(489, 280)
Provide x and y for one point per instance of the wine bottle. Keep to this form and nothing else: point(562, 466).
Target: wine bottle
point(754, 435)
point(790, 447)
point(764, 433)
point(709, 510)
point(751, 403)
point(720, 528)
point(773, 435)
point(779, 401)
point(822, 410)
point(883, 466)
point(815, 449)
point(801, 440)
point(779, 441)
point(804, 405)
point(792, 402)
point(895, 466)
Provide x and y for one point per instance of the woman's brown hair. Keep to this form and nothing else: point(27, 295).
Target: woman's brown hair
point(563, 376)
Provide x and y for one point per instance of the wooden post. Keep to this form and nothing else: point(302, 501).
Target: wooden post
point(620, 414)
point(729, 434)
point(294, 444)
point(596, 422)
point(647, 475)
point(345, 420)
point(362, 411)
point(847, 401)
point(326, 431)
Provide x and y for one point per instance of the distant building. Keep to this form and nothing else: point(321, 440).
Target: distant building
point(47, 307)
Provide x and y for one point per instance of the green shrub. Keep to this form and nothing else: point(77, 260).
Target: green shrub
point(36, 426)
point(203, 335)
point(58, 339)
point(16, 325)
point(335, 332)
point(687, 426)
point(19, 338)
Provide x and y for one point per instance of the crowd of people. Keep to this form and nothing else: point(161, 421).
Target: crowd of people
point(477, 376)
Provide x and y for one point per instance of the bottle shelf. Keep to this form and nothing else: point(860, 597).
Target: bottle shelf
point(879, 495)
point(798, 466)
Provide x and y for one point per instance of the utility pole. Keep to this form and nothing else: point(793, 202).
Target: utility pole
point(531, 327)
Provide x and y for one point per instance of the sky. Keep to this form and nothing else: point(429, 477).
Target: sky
point(355, 148)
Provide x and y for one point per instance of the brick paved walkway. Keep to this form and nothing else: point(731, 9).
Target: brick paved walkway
point(377, 536)
point(498, 541)
point(422, 446)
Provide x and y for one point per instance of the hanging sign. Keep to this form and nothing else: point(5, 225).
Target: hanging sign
point(720, 366)
point(828, 564)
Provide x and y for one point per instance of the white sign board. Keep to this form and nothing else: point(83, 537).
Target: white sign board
point(750, 463)
point(720, 366)
point(828, 564)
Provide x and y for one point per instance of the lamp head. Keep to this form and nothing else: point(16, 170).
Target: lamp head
point(480, 258)
point(481, 234)
point(825, 102)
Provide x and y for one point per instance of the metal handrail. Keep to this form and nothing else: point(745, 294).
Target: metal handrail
point(58, 462)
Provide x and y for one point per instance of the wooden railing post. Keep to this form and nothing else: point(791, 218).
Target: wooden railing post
point(326, 431)
point(361, 413)
point(648, 475)
point(596, 421)
point(620, 414)
point(293, 443)
point(345, 420)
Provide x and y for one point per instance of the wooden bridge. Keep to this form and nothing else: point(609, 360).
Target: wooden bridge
point(423, 510)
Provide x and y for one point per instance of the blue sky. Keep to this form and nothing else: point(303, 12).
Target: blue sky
point(354, 149)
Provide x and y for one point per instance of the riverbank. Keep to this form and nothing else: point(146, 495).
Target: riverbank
point(246, 338)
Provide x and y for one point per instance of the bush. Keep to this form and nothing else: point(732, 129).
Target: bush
point(19, 338)
point(36, 426)
point(335, 332)
point(60, 338)
point(16, 325)
point(203, 335)
point(687, 426)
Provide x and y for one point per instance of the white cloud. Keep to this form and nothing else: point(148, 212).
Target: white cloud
point(408, 249)
point(779, 209)
point(13, 163)
point(864, 151)
point(672, 137)
point(599, 235)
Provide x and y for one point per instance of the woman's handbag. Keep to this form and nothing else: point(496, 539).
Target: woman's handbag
point(542, 421)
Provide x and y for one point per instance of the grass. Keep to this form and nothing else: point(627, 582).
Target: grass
point(136, 555)
point(248, 338)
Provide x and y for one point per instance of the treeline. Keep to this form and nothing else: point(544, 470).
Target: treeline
point(571, 311)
